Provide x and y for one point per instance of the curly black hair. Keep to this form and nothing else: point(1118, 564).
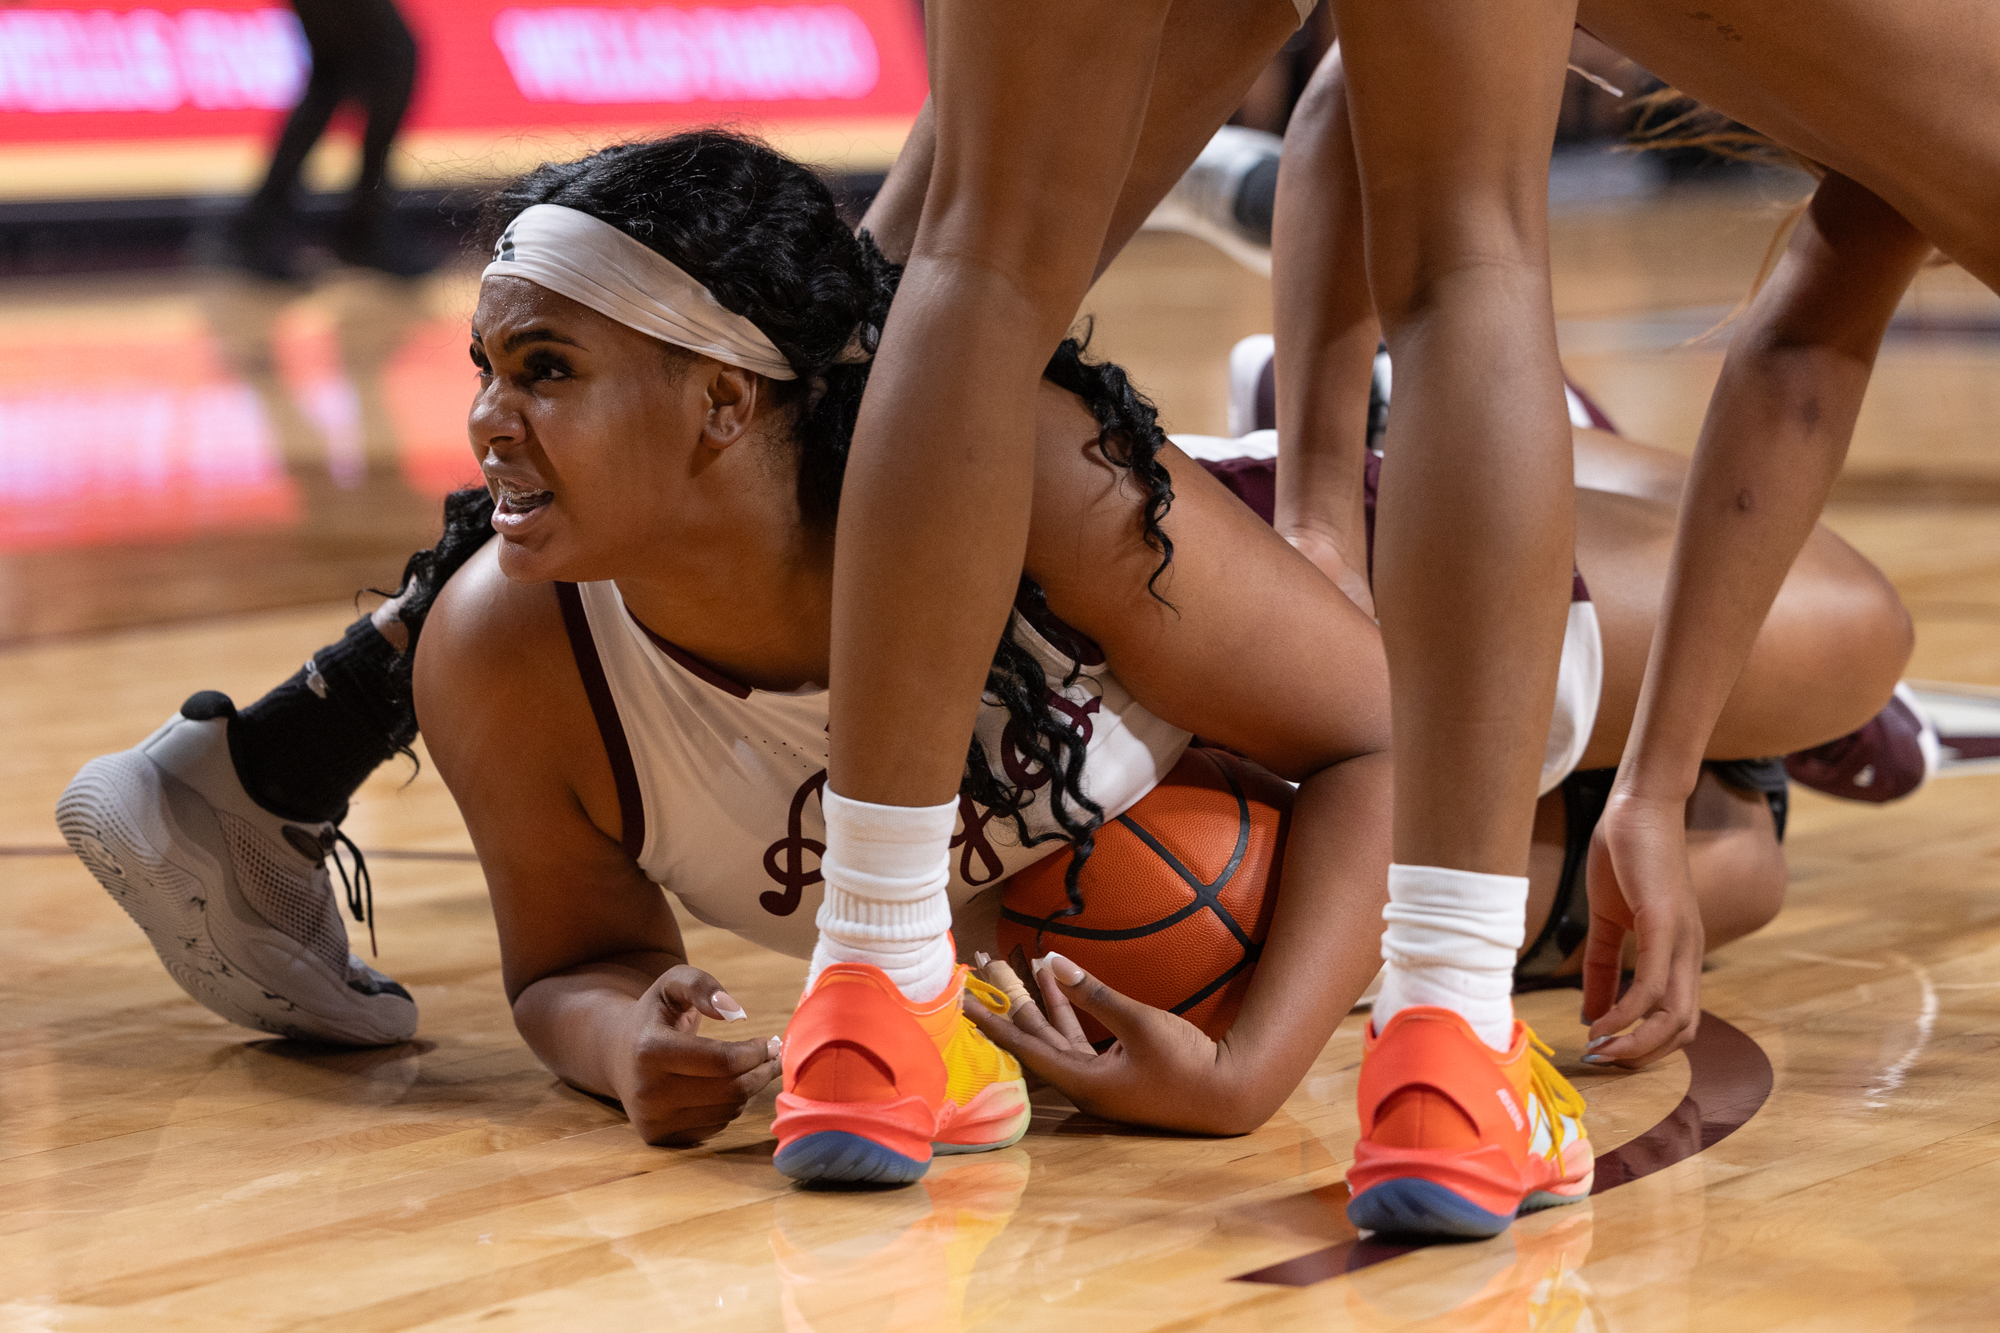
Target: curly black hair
point(762, 233)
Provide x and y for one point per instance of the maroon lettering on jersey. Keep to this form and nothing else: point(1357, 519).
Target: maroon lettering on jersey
point(793, 877)
point(978, 862)
point(973, 840)
point(1016, 764)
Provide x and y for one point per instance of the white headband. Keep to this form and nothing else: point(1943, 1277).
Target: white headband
point(594, 263)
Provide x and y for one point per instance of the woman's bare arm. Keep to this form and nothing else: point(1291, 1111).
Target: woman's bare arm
point(590, 954)
point(1776, 434)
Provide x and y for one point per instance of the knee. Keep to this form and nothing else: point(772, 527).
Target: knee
point(1832, 649)
point(1762, 893)
point(1878, 637)
point(998, 267)
point(970, 226)
point(1428, 257)
point(1895, 631)
point(1764, 888)
point(1750, 881)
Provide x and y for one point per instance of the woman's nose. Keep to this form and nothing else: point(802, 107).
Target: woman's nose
point(494, 424)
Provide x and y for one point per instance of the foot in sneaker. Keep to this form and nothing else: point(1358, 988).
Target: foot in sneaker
point(1894, 753)
point(876, 1083)
point(1226, 196)
point(237, 902)
point(1456, 1137)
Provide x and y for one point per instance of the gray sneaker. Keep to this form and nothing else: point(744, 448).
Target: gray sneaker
point(238, 903)
point(1225, 196)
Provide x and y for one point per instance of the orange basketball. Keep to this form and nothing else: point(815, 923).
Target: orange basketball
point(1177, 896)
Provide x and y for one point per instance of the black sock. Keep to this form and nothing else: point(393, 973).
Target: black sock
point(303, 749)
point(1257, 199)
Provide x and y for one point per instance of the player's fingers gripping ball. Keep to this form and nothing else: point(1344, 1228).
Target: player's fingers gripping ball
point(1177, 896)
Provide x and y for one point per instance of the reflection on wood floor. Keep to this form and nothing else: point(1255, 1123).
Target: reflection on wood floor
point(162, 1169)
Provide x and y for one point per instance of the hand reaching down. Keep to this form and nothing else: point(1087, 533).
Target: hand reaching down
point(679, 1087)
point(1160, 1069)
point(1638, 882)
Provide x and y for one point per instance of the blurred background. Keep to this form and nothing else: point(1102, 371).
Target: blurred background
point(234, 279)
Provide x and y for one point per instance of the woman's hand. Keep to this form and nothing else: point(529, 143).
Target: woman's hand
point(1326, 558)
point(680, 1088)
point(1162, 1070)
point(1638, 881)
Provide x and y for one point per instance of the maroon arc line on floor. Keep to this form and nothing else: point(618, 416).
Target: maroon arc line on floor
point(379, 854)
point(1729, 1080)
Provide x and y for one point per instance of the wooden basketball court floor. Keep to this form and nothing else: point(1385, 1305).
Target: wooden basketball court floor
point(1829, 1159)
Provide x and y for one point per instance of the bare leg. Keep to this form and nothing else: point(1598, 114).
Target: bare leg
point(1030, 149)
point(1033, 140)
point(1454, 108)
point(1454, 105)
point(1033, 131)
point(1210, 53)
point(1827, 656)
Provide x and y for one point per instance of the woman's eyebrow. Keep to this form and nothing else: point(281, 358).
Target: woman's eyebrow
point(515, 341)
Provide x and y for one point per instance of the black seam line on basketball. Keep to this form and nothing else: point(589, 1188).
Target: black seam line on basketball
point(1088, 933)
point(1212, 987)
point(1208, 895)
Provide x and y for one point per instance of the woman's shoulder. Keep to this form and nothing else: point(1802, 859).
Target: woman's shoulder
point(502, 707)
point(492, 647)
point(487, 627)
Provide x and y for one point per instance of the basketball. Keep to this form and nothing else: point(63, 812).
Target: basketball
point(1177, 896)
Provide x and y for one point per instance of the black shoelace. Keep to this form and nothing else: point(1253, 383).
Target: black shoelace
point(360, 887)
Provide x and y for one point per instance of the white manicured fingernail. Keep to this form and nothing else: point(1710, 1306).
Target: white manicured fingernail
point(981, 959)
point(777, 1047)
point(1596, 1042)
point(728, 1008)
point(1597, 1059)
point(1067, 973)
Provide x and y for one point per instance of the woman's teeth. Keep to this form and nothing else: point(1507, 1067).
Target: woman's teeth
point(519, 501)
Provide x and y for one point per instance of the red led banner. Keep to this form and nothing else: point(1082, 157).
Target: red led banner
point(114, 76)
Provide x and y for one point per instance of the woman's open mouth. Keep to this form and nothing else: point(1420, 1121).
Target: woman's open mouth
point(515, 507)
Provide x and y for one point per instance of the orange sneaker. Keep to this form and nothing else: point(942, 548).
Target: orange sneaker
point(1456, 1137)
point(875, 1083)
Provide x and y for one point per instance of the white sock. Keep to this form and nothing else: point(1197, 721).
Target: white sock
point(1451, 941)
point(886, 869)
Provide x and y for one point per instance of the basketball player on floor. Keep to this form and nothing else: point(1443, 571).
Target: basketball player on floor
point(594, 759)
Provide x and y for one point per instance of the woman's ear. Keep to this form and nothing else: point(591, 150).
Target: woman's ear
point(732, 403)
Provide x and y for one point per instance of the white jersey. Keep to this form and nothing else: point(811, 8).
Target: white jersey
point(718, 784)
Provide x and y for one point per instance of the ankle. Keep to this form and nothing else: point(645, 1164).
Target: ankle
point(887, 868)
point(1450, 941)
